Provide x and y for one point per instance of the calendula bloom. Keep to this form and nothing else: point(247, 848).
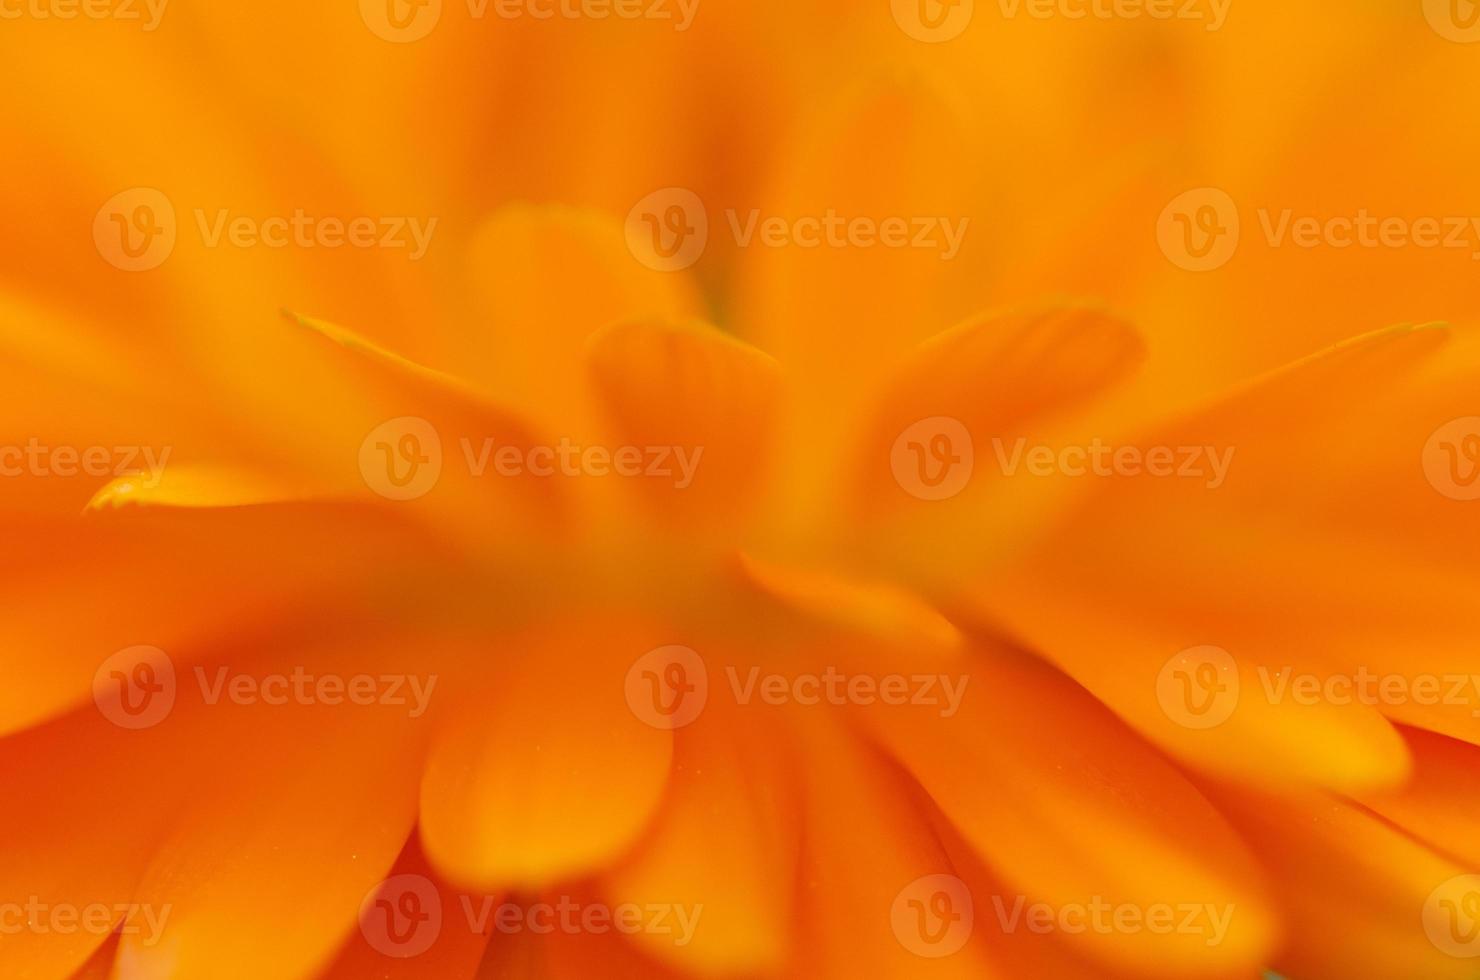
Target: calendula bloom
point(660, 488)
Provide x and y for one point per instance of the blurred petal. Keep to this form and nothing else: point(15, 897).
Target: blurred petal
point(710, 397)
point(1090, 814)
point(425, 440)
point(1273, 561)
point(1440, 804)
point(548, 775)
point(878, 618)
point(730, 784)
point(1354, 889)
point(242, 851)
point(173, 578)
point(549, 278)
point(453, 953)
point(58, 851)
point(198, 486)
point(982, 384)
point(867, 844)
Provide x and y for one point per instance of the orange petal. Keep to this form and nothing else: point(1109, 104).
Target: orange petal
point(570, 956)
point(981, 385)
point(59, 851)
point(870, 864)
point(1360, 898)
point(864, 620)
point(100, 965)
point(1024, 946)
point(220, 566)
point(577, 957)
point(1440, 804)
point(426, 441)
point(1273, 560)
point(729, 784)
point(450, 948)
point(194, 485)
point(549, 278)
point(709, 397)
point(810, 303)
point(841, 310)
point(241, 862)
point(241, 850)
point(81, 410)
point(550, 774)
point(1091, 814)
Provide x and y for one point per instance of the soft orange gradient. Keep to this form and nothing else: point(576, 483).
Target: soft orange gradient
point(739, 489)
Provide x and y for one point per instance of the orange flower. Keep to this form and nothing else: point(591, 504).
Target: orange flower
point(636, 552)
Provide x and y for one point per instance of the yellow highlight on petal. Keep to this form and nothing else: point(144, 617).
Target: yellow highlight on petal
point(878, 609)
point(195, 486)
